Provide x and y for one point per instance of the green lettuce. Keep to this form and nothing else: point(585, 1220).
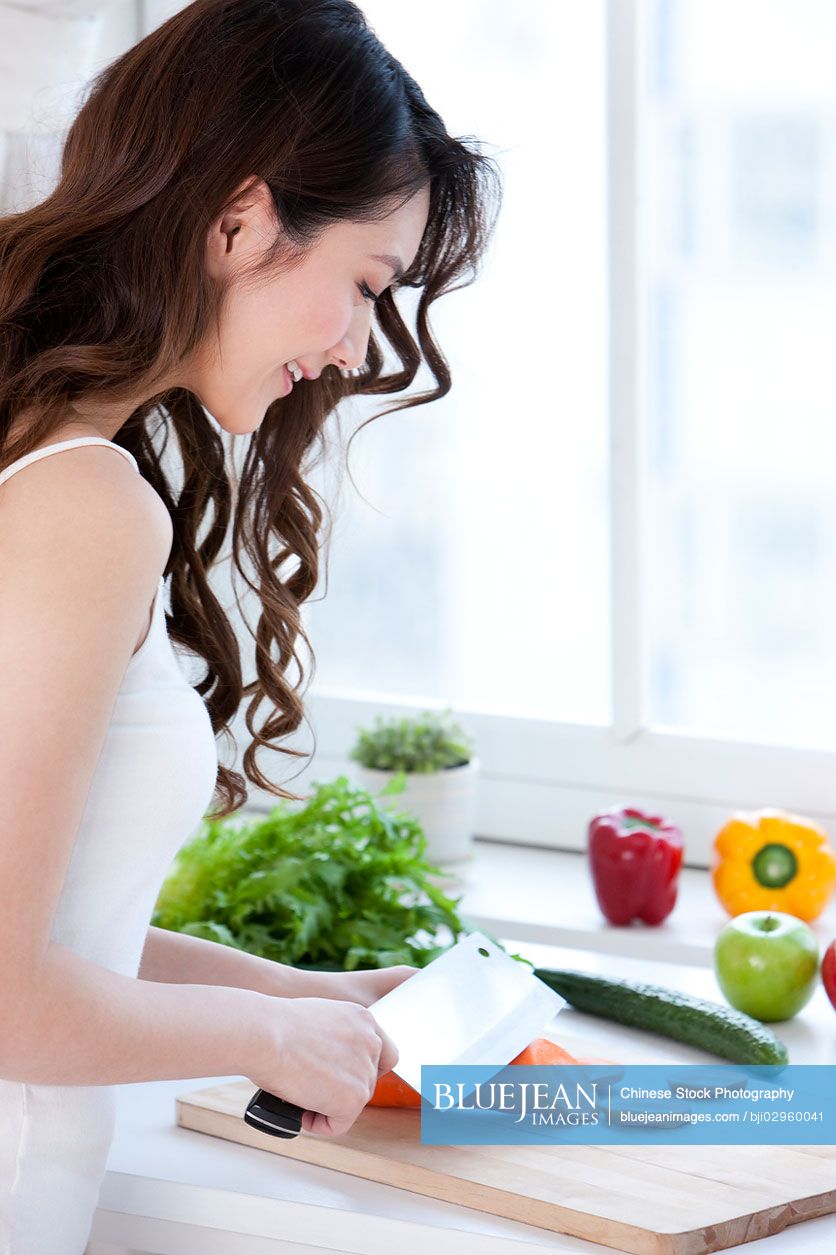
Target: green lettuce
point(339, 883)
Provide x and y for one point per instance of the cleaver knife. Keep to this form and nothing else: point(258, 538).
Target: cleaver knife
point(474, 1004)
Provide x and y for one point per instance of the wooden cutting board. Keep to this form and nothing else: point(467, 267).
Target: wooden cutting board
point(697, 1198)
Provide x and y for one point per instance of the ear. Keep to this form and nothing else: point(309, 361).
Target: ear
point(243, 227)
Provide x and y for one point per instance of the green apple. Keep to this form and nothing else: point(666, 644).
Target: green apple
point(766, 963)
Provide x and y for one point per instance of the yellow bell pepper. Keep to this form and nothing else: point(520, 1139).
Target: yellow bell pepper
point(775, 861)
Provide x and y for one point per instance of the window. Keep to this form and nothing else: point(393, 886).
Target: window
point(474, 566)
point(740, 246)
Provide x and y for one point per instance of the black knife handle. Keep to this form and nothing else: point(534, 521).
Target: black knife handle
point(273, 1115)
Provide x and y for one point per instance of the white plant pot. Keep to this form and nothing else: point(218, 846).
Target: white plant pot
point(443, 802)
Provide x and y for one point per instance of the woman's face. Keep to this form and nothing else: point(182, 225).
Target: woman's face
point(316, 314)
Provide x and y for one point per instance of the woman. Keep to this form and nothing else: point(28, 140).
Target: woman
point(237, 193)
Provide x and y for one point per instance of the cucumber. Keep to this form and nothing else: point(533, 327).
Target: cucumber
point(708, 1025)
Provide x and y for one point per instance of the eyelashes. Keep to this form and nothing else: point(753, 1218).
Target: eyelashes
point(370, 296)
point(367, 293)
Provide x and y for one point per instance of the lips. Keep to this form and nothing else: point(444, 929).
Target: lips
point(306, 374)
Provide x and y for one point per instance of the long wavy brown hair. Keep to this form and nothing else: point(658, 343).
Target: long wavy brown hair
point(104, 283)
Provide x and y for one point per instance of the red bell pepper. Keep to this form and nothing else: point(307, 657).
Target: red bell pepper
point(635, 860)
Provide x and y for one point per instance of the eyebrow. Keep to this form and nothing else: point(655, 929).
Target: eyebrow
point(388, 260)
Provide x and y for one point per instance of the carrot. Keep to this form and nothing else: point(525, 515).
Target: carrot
point(542, 1051)
point(392, 1091)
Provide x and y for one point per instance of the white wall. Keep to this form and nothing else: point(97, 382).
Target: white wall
point(49, 49)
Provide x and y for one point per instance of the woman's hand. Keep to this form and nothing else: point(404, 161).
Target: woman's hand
point(364, 986)
point(323, 1055)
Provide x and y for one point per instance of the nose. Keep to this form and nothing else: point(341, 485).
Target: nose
point(350, 353)
point(349, 361)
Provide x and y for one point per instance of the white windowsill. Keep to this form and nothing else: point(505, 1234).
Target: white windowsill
point(533, 894)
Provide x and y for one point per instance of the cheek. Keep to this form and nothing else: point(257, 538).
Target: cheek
point(250, 335)
point(320, 319)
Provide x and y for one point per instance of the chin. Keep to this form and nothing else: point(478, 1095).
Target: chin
point(240, 427)
point(231, 419)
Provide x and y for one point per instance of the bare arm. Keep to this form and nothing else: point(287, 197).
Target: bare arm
point(83, 1024)
point(177, 957)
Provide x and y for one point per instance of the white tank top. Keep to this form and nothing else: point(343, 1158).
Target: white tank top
point(153, 782)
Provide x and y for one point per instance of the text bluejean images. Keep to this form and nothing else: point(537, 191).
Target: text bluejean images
point(655, 1104)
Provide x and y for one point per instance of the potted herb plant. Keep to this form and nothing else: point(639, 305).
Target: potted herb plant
point(434, 756)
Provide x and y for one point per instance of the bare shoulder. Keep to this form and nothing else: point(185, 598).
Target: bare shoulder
point(84, 541)
point(80, 500)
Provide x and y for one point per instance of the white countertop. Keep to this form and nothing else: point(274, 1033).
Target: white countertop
point(170, 1190)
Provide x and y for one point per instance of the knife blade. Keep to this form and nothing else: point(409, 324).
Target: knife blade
point(474, 1004)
